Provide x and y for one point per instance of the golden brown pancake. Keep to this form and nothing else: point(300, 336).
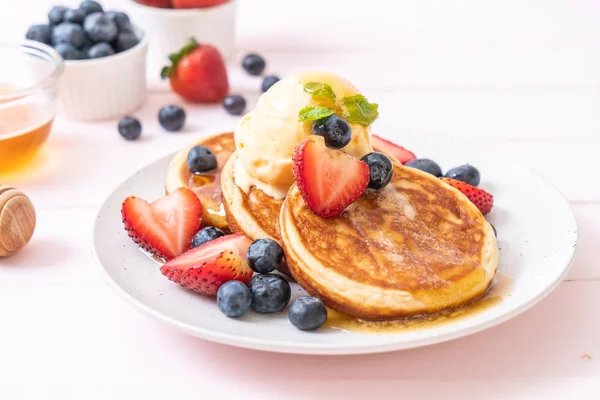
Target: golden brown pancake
point(255, 214)
point(415, 247)
point(207, 186)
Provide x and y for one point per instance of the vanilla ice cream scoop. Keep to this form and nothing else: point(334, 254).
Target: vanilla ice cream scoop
point(266, 137)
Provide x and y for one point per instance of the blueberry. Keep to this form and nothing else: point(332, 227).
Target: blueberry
point(100, 28)
point(39, 33)
point(120, 18)
point(495, 232)
point(270, 293)
point(268, 82)
point(234, 299)
point(426, 165)
point(130, 128)
point(206, 235)
point(380, 169)
point(171, 118)
point(57, 15)
point(74, 16)
point(90, 7)
point(335, 130)
point(264, 255)
point(100, 50)
point(201, 159)
point(125, 41)
point(68, 52)
point(234, 104)
point(465, 173)
point(307, 313)
point(70, 33)
point(253, 64)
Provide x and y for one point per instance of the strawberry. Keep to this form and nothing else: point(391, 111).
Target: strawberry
point(198, 73)
point(156, 3)
point(196, 3)
point(482, 199)
point(391, 149)
point(205, 268)
point(329, 180)
point(165, 227)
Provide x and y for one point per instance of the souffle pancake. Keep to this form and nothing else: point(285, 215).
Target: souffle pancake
point(206, 185)
point(416, 246)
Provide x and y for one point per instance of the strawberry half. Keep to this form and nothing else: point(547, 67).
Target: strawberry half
point(329, 180)
point(165, 227)
point(398, 152)
point(205, 268)
point(482, 199)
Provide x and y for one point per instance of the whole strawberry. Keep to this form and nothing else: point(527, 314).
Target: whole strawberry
point(198, 73)
point(479, 197)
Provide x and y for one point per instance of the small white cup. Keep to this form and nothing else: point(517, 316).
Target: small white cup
point(168, 30)
point(104, 88)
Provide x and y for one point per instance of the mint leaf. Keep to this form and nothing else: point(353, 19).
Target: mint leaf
point(312, 113)
point(358, 110)
point(318, 89)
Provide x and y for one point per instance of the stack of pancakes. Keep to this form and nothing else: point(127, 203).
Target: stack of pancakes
point(415, 247)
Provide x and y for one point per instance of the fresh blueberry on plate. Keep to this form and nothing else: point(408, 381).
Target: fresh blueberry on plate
point(269, 81)
point(264, 255)
point(234, 104)
point(205, 235)
point(307, 313)
point(68, 52)
point(270, 293)
point(90, 7)
point(201, 159)
point(75, 16)
point(40, 33)
point(130, 128)
point(171, 118)
point(100, 28)
point(100, 50)
point(57, 14)
point(336, 131)
point(465, 173)
point(253, 64)
point(380, 169)
point(234, 299)
point(426, 165)
point(68, 32)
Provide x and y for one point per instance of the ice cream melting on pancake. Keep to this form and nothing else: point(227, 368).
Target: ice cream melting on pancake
point(266, 136)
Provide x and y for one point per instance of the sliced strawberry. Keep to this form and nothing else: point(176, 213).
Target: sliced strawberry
point(391, 149)
point(329, 180)
point(205, 268)
point(482, 199)
point(165, 227)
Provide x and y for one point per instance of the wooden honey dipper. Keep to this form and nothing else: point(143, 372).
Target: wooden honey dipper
point(17, 220)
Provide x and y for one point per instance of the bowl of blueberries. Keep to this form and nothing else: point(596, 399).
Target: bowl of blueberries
point(104, 55)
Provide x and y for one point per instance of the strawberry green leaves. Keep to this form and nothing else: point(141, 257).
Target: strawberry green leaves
point(176, 57)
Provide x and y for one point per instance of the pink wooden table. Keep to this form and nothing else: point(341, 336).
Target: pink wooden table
point(520, 77)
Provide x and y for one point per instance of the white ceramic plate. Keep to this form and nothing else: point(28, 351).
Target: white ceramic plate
point(537, 235)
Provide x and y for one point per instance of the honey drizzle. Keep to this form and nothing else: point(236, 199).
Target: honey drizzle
point(499, 289)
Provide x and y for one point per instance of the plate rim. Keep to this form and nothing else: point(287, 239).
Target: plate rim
point(328, 349)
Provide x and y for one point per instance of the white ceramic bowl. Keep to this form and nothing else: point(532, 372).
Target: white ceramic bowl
point(168, 30)
point(105, 87)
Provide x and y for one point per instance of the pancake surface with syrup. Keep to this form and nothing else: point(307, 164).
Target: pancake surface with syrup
point(415, 247)
point(207, 186)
